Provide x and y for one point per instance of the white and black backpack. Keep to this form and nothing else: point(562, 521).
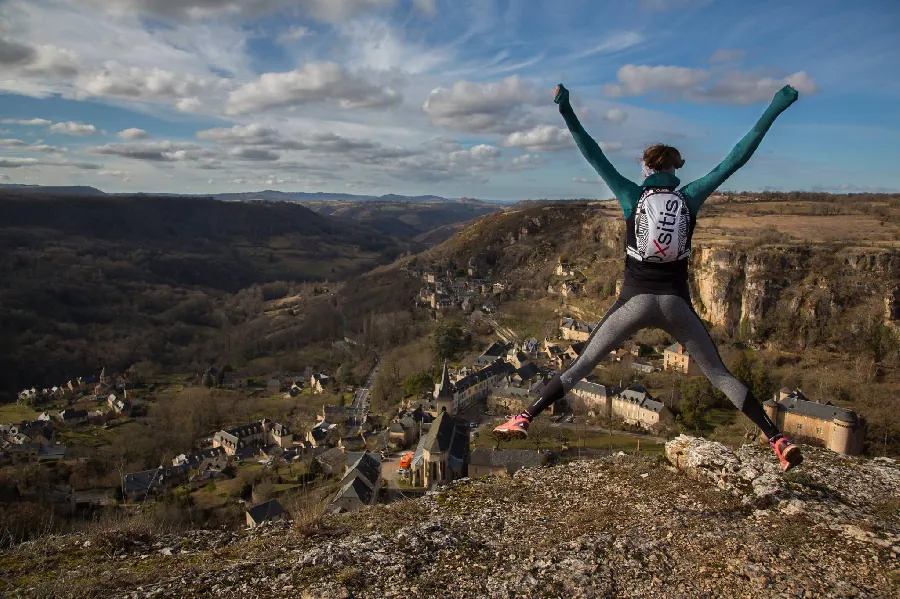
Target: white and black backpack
point(660, 227)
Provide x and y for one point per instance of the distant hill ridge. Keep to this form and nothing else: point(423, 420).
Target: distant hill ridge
point(267, 194)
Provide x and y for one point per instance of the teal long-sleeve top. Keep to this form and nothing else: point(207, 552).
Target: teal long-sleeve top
point(628, 193)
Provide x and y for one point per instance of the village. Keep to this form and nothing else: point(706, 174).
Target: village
point(431, 439)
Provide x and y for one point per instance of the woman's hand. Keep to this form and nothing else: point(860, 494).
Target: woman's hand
point(784, 97)
point(561, 96)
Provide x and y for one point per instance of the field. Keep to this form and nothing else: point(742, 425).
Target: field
point(591, 440)
point(13, 413)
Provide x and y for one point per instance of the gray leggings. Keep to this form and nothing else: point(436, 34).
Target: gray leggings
point(676, 317)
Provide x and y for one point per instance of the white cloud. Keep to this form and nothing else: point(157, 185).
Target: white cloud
point(738, 87)
point(664, 5)
point(426, 7)
point(256, 154)
point(636, 80)
point(543, 138)
point(132, 134)
point(583, 180)
point(4, 177)
point(117, 81)
point(324, 10)
point(615, 115)
point(610, 147)
point(18, 162)
point(615, 43)
point(36, 60)
point(294, 33)
point(731, 87)
point(13, 143)
point(314, 83)
point(192, 104)
point(497, 107)
point(527, 162)
point(28, 122)
point(156, 151)
point(76, 129)
point(23, 146)
point(727, 55)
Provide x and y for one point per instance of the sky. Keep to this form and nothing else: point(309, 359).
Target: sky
point(444, 97)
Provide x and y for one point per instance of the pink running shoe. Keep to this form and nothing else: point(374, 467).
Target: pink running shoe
point(517, 428)
point(788, 453)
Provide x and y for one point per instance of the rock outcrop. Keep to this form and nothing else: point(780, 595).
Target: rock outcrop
point(716, 523)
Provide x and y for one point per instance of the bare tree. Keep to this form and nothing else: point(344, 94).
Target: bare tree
point(539, 431)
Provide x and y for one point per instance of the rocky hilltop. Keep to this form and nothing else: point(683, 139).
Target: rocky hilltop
point(783, 273)
point(706, 522)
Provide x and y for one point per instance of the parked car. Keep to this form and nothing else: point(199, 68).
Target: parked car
point(402, 472)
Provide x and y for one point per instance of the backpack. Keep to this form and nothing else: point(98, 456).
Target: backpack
point(660, 228)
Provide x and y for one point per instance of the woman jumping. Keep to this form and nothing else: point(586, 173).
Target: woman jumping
point(660, 221)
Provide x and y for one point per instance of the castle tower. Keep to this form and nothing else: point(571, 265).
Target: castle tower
point(842, 434)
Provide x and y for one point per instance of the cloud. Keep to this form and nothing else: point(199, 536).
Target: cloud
point(583, 180)
point(731, 87)
point(28, 122)
point(614, 43)
point(636, 80)
point(76, 129)
point(256, 154)
point(727, 55)
point(664, 5)
point(497, 107)
point(30, 60)
point(18, 162)
point(426, 7)
point(294, 33)
point(4, 177)
point(132, 134)
point(615, 115)
point(323, 10)
point(739, 87)
point(314, 83)
point(157, 151)
point(543, 138)
point(22, 146)
point(117, 81)
point(527, 162)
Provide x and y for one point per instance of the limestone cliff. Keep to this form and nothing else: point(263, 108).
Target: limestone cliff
point(717, 523)
point(747, 291)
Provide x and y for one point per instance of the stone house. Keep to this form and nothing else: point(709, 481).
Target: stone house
point(206, 463)
point(265, 512)
point(138, 484)
point(457, 397)
point(332, 461)
point(573, 330)
point(318, 435)
point(256, 434)
point(442, 454)
point(636, 407)
point(503, 462)
point(403, 432)
point(822, 424)
point(119, 406)
point(320, 383)
point(589, 397)
point(332, 413)
point(235, 381)
point(36, 431)
point(360, 484)
point(677, 359)
point(71, 417)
